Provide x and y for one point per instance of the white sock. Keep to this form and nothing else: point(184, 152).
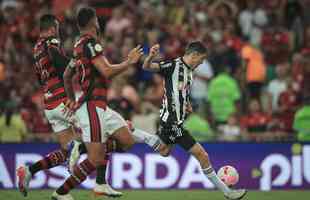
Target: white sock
point(144, 137)
point(212, 176)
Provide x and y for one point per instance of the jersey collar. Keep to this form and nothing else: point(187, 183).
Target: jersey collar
point(185, 63)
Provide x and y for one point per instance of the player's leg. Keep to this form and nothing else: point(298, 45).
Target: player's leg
point(93, 121)
point(96, 152)
point(188, 143)
point(64, 134)
point(115, 121)
point(152, 140)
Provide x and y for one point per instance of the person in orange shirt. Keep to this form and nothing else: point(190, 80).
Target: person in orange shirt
point(255, 69)
point(2, 71)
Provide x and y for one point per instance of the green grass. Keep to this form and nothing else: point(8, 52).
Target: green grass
point(161, 195)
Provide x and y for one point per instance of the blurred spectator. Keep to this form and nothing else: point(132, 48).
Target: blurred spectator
point(294, 18)
point(288, 104)
point(255, 123)
point(202, 74)
point(276, 44)
point(155, 92)
point(278, 85)
point(230, 131)
point(147, 119)
point(12, 127)
point(250, 18)
point(254, 70)
point(302, 117)
point(223, 94)
point(2, 71)
point(122, 106)
point(198, 127)
point(118, 23)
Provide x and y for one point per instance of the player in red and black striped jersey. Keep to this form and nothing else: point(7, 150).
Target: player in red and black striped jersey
point(97, 121)
point(50, 63)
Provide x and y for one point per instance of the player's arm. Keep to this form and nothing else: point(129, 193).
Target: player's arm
point(68, 75)
point(70, 105)
point(95, 53)
point(148, 63)
point(58, 58)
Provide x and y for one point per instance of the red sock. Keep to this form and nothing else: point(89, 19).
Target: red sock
point(80, 173)
point(51, 160)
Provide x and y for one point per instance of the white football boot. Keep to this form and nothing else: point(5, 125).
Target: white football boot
point(74, 155)
point(56, 196)
point(106, 190)
point(235, 194)
point(24, 176)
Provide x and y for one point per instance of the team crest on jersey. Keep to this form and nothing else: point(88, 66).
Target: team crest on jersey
point(54, 41)
point(98, 47)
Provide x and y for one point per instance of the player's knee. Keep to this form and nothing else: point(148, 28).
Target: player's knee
point(164, 154)
point(128, 144)
point(96, 160)
point(164, 150)
point(199, 152)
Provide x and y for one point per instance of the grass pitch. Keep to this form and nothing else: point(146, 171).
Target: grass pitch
point(161, 195)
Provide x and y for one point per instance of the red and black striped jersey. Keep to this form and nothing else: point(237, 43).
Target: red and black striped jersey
point(94, 85)
point(50, 63)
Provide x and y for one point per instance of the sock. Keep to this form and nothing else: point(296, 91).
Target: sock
point(80, 173)
point(82, 148)
point(212, 176)
point(144, 137)
point(51, 160)
point(101, 171)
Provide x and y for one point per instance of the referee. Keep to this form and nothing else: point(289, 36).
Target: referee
point(178, 77)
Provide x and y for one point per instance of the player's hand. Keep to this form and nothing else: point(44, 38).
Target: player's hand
point(189, 109)
point(70, 108)
point(154, 51)
point(135, 54)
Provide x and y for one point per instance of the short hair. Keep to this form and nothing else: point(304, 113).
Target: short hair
point(85, 15)
point(197, 47)
point(47, 21)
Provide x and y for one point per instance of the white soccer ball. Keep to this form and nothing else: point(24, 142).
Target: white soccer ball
point(229, 175)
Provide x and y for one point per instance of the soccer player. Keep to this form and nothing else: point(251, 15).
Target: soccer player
point(176, 106)
point(302, 116)
point(97, 121)
point(50, 64)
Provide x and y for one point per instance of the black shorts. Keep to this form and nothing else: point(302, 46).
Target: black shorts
point(176, 134)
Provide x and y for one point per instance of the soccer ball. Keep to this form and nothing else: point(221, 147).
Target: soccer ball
point(228, 175)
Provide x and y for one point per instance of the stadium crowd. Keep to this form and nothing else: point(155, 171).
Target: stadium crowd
point(249, 88)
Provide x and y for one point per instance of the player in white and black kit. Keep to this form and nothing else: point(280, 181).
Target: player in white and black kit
point(176, 106)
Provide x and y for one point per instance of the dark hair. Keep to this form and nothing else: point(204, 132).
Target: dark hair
point(197, 47)
point(47, 21)
point(84, 16)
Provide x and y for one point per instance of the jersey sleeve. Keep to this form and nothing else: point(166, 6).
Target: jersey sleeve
point(57, 56)
point(93, 49)
point(165, 67)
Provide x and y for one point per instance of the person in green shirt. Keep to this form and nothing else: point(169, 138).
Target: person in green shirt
point(12, 127)
point(223, 93)
point(302, 117)
point(302, 123)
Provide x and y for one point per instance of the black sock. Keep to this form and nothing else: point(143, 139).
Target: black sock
point(82, 148)
point(34, 168)
point(101, 170)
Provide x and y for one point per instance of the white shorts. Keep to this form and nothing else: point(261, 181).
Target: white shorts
point(96, 123)
point(56, 118)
